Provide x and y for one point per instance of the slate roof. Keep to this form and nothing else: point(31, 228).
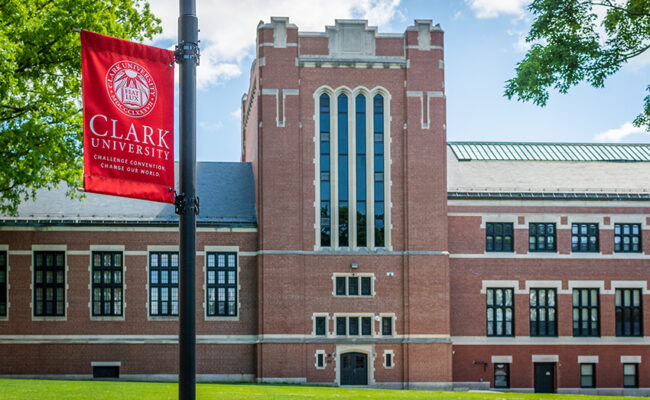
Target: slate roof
point(226, 191)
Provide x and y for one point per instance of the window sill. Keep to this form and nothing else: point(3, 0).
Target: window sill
point(220, 318)
point(116, 318)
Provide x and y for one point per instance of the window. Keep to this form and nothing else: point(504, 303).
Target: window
point(588, 375)
point(325, 194)
point(500, 312)
point(389, 359)
point(584, 238)
point(353, 285)
point(586, 312)
point(541, 237)
point(387, 326)
point(354, 326)
point(3, 283)
point(378, 150)
point(163, 284)
point(360, 106)
point(107, 283)
point(629, 314)
point(221, 284)
point(351, 140)
point(343, 170)
point(49, 283)
point(106, 371)
point(501, 376)
point(498, 237)
point(320, 326)
point(543, 311)
point(630, 376)
point(320, 359)
point(627, 238)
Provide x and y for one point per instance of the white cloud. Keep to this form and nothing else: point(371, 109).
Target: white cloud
point(236, 114)
point(228, 28)
point(618, 134)
point(495, 8)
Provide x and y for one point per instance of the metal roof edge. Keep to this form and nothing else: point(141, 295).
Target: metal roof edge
point(548, 196)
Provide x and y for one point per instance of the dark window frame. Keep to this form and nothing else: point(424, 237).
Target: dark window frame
point(344, 323)
point(499, 237)
point(539, 310)
point(3, 284)
point(378, 170)
point(320, 360)
point(388, 359)
point(491, 295)
point(635, 376)
point(55, 286)
point(213, 284)
point(578, 245)
point(582, 327)
point(592, 376)
point(159, 287)
point(387, 328)
point(539, 234)
point(629, 318)
point(320, 325)
point(343, 285)
point(325, 171)
point(506, 368)
point(620, 235)
point(343, 167)
point(115, 289)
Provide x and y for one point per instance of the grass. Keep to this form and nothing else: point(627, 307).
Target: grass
point(23, 389)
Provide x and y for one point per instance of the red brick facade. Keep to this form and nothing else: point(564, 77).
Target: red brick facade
point(429, 278)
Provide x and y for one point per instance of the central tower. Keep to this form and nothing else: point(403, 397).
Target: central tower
point(346, 132)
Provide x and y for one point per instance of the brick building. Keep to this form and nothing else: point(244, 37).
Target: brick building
point(351, 246)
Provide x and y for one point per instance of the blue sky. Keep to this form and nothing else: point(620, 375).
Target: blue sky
point(484, 40)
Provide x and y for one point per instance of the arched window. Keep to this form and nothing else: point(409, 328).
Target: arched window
point(378, 150)
point(343, 187)
point(360, 143)
point(325, 193)
point(352, 151)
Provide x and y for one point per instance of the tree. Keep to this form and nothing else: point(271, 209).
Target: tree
point(40, 87)
point(572, 44)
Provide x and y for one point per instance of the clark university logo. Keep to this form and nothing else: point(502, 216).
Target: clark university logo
point(131, 88)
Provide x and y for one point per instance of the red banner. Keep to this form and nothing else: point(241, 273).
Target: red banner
point(128, 109)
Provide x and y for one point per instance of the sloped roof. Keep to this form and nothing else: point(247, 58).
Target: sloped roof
point(225, 189)
point(548, 171)
point(512, 151)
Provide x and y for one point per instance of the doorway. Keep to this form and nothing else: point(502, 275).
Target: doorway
point(544, 377)
point(354, 369)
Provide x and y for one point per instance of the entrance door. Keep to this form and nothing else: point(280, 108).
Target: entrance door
point(354, 369)
point(544, 378)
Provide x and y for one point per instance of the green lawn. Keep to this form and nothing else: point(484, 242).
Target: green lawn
point(24, 389)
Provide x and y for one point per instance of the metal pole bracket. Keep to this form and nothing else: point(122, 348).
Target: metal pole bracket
point(187, 51)
point(181, 204)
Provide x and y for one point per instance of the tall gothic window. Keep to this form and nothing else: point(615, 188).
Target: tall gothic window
point(343, 170)
point(325, 196)
point(361, 169)
point(351, 149)
point(378, 119)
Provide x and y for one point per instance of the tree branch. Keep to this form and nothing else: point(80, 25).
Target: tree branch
point(617, 61)
point(614, 6)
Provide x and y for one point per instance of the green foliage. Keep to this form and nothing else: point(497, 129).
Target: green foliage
point(571, 45)
point(40, 87)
